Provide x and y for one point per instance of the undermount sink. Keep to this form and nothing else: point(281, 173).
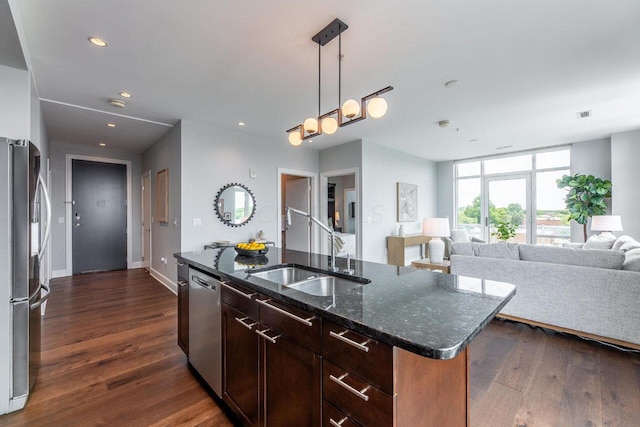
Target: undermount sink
point(323, 286)
point(308, 281)
point(285, 275)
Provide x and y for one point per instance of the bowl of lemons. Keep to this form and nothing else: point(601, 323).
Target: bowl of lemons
point(251, 249)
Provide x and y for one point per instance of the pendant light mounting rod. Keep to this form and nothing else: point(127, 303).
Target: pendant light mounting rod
point(330, 32)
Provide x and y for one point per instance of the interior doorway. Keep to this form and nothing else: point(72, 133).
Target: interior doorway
point(340, 197)
point(70, 207)
point(297, 189)
point(99, 236)
point(145, 196)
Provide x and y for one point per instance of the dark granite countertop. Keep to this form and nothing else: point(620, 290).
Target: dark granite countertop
point(432, 314)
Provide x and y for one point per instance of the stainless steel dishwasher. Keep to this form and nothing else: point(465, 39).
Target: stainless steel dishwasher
point(205, 332)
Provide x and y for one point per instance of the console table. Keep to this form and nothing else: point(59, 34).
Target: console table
point(396, 245)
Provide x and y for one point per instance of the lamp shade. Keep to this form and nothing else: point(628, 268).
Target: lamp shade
point(436, 227)
point(606, 223)
point(329, 125)
point(337, 216)
point(294, 138)
point(311, 125)
point(377, 107)
point(350, 108)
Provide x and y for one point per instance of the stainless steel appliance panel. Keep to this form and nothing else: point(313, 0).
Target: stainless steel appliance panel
point(205, 330)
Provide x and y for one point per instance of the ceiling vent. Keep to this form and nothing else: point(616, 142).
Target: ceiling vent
point(117, 102)
point(584, 114)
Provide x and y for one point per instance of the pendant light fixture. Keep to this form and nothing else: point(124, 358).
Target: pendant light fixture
point(349, 112)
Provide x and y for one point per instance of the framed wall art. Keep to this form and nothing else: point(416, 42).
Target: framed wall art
point(407, 202)
point(162, 196)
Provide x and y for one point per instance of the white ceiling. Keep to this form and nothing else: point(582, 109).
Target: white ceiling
point(525, 68)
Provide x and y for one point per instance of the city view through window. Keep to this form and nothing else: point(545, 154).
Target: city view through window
point(520, 190)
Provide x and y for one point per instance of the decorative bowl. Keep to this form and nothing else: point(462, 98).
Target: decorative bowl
point(252, 253)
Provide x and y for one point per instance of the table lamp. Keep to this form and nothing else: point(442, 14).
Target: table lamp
point(606, 224)
point(436, 228)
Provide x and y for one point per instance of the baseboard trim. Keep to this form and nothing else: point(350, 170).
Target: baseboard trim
point(164, 280)
point(60, 273)
point(571, 331)
point(137, 264)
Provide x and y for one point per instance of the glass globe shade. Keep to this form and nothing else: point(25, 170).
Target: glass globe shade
point(376, 107)
point(350, 108)
point(311, 125)
point(329, 125)
point(294, 138)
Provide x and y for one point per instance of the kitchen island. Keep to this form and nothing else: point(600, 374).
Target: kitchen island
point(387, 347)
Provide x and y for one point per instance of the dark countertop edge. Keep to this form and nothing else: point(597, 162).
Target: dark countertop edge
point(441, 354)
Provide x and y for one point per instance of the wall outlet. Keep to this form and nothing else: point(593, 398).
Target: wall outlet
point(197, 222)
point(163, 259)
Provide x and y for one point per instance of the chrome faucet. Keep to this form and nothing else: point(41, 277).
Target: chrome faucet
point(324, 227)
point(348, 270)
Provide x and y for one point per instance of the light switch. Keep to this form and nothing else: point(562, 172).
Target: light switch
point(253, 173)
point(197, 222)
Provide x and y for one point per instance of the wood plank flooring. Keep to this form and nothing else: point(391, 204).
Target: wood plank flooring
point(110, 357)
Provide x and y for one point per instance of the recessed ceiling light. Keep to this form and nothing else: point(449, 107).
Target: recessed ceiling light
point(97, 41)
point(451, 83)
point(111, 125)
point(473, 140)
point(443, 123)
point(584, 114)
point(125, 94)
point(504, 147)
point(102, 144)
point(241, 123)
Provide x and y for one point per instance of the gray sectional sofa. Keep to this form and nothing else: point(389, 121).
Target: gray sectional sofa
point(592, 293)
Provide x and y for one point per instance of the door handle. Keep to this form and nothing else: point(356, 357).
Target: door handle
point(47, 229)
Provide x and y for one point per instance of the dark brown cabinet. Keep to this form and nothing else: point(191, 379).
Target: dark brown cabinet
point(183, 307)
point(271, 374)
point(240, 364)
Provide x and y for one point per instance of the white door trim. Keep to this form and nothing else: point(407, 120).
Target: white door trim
point(314, 204)
point(69, 206)
point(146, 262)
point(324, 181)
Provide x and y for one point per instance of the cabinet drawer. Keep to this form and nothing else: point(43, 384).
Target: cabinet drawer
point(356, 398)
point(240, 298)
point(299, 325)
point(332, 417)
point(368, 358)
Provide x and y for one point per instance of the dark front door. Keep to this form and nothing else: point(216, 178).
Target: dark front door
point(99, 216)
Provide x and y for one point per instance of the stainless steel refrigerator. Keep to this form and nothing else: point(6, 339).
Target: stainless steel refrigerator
point(24, 197)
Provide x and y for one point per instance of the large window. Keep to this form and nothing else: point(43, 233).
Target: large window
point(520, 190)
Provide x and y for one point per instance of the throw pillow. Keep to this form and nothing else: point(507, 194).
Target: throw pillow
point(554, 255)
point(621, 241)
point(630, 245)
point(632, 260)
point(459, 236)
point(600, 242)
point(463, 248)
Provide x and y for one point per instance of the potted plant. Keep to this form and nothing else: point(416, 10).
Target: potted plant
point(505, 230)
point(586, 197)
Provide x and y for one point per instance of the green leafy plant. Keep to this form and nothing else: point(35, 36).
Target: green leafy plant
point(505, 230)
point(586, 197)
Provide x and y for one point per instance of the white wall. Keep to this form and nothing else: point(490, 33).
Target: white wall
point(213, 157)
point(14, 108)
point(58, 154)
point(590, 158)
point(445, 193)
point(625, 176)
point(382, 169)
point(165, 236)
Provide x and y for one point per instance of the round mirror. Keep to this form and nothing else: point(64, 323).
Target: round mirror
point(235, 205)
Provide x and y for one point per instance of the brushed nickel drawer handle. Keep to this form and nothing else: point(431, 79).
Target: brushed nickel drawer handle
point(243, 323)
point(231, 288)
point(360, 346)
point(286, 313)
point(337, 423)
point(359, 393)
point(267, 337)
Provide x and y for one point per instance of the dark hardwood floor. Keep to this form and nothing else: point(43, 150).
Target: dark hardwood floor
point(110, 357)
